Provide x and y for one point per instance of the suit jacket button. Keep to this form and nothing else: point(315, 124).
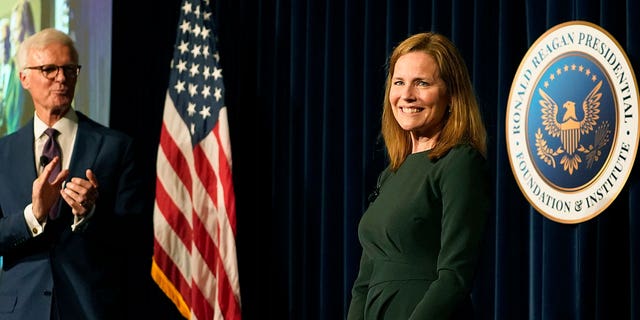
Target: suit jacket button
point(47, 293)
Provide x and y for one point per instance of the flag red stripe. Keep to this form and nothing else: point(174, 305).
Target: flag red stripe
point(180, 226)
point(226, 297)
point(207, 248)
point(201, 306)
point(177, 222)
point(175, 157)
point(206, 173)
point(227, 182)
point(171, 272)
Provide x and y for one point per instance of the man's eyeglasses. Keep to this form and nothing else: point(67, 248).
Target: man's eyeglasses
point(50, 71)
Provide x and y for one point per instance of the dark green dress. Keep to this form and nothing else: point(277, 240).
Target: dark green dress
point(421, 238)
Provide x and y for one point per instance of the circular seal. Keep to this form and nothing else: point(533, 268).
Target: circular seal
point(572, 122)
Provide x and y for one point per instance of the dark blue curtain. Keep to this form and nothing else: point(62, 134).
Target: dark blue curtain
point(305, 81)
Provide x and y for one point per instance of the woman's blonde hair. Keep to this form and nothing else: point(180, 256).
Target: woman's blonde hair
point(463, 122)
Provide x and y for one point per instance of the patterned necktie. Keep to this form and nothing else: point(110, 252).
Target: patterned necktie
point(50, 150)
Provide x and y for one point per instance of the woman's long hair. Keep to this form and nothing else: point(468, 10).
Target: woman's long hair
point(462, 123)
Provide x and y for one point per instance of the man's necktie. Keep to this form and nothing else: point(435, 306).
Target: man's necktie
point(51, 150)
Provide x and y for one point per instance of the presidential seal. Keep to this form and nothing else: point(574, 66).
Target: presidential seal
point(572, 122)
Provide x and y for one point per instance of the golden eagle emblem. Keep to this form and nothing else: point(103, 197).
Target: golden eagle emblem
point(571, 129)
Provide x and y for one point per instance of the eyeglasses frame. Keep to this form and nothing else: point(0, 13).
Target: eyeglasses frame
point(67, 69)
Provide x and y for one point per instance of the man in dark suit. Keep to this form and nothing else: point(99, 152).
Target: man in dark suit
point(62, 235)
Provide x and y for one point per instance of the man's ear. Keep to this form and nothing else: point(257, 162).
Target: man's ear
point(24, 80)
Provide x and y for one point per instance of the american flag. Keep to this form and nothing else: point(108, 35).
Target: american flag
point(194, 260)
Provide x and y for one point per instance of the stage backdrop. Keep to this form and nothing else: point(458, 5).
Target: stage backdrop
point(305, 82)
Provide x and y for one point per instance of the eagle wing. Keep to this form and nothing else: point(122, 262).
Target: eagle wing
point(591, 108)
point(549, 114)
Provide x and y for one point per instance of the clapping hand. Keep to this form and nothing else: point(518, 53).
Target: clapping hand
point(81, 194)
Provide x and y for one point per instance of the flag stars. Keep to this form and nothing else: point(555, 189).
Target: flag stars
point(205, 112)
point(193, 89)
point(185, 26)
point(179, 86)
point(206, 92)
point(197, 76)
point(196, 51)
point(217, 73)
point(194, 69)
point(205, 52)
point(187, 7)
point(184, 47)
point(181, 66)
point(191, 108)
point(205, 33)
point(197, 30)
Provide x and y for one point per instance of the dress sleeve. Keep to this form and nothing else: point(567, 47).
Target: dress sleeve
point(464, 184)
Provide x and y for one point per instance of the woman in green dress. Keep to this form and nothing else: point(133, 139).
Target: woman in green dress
point(422, 234)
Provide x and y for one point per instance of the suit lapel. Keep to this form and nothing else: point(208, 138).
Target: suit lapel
point(86, 148)
point(85, 152)
point(24, 161)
